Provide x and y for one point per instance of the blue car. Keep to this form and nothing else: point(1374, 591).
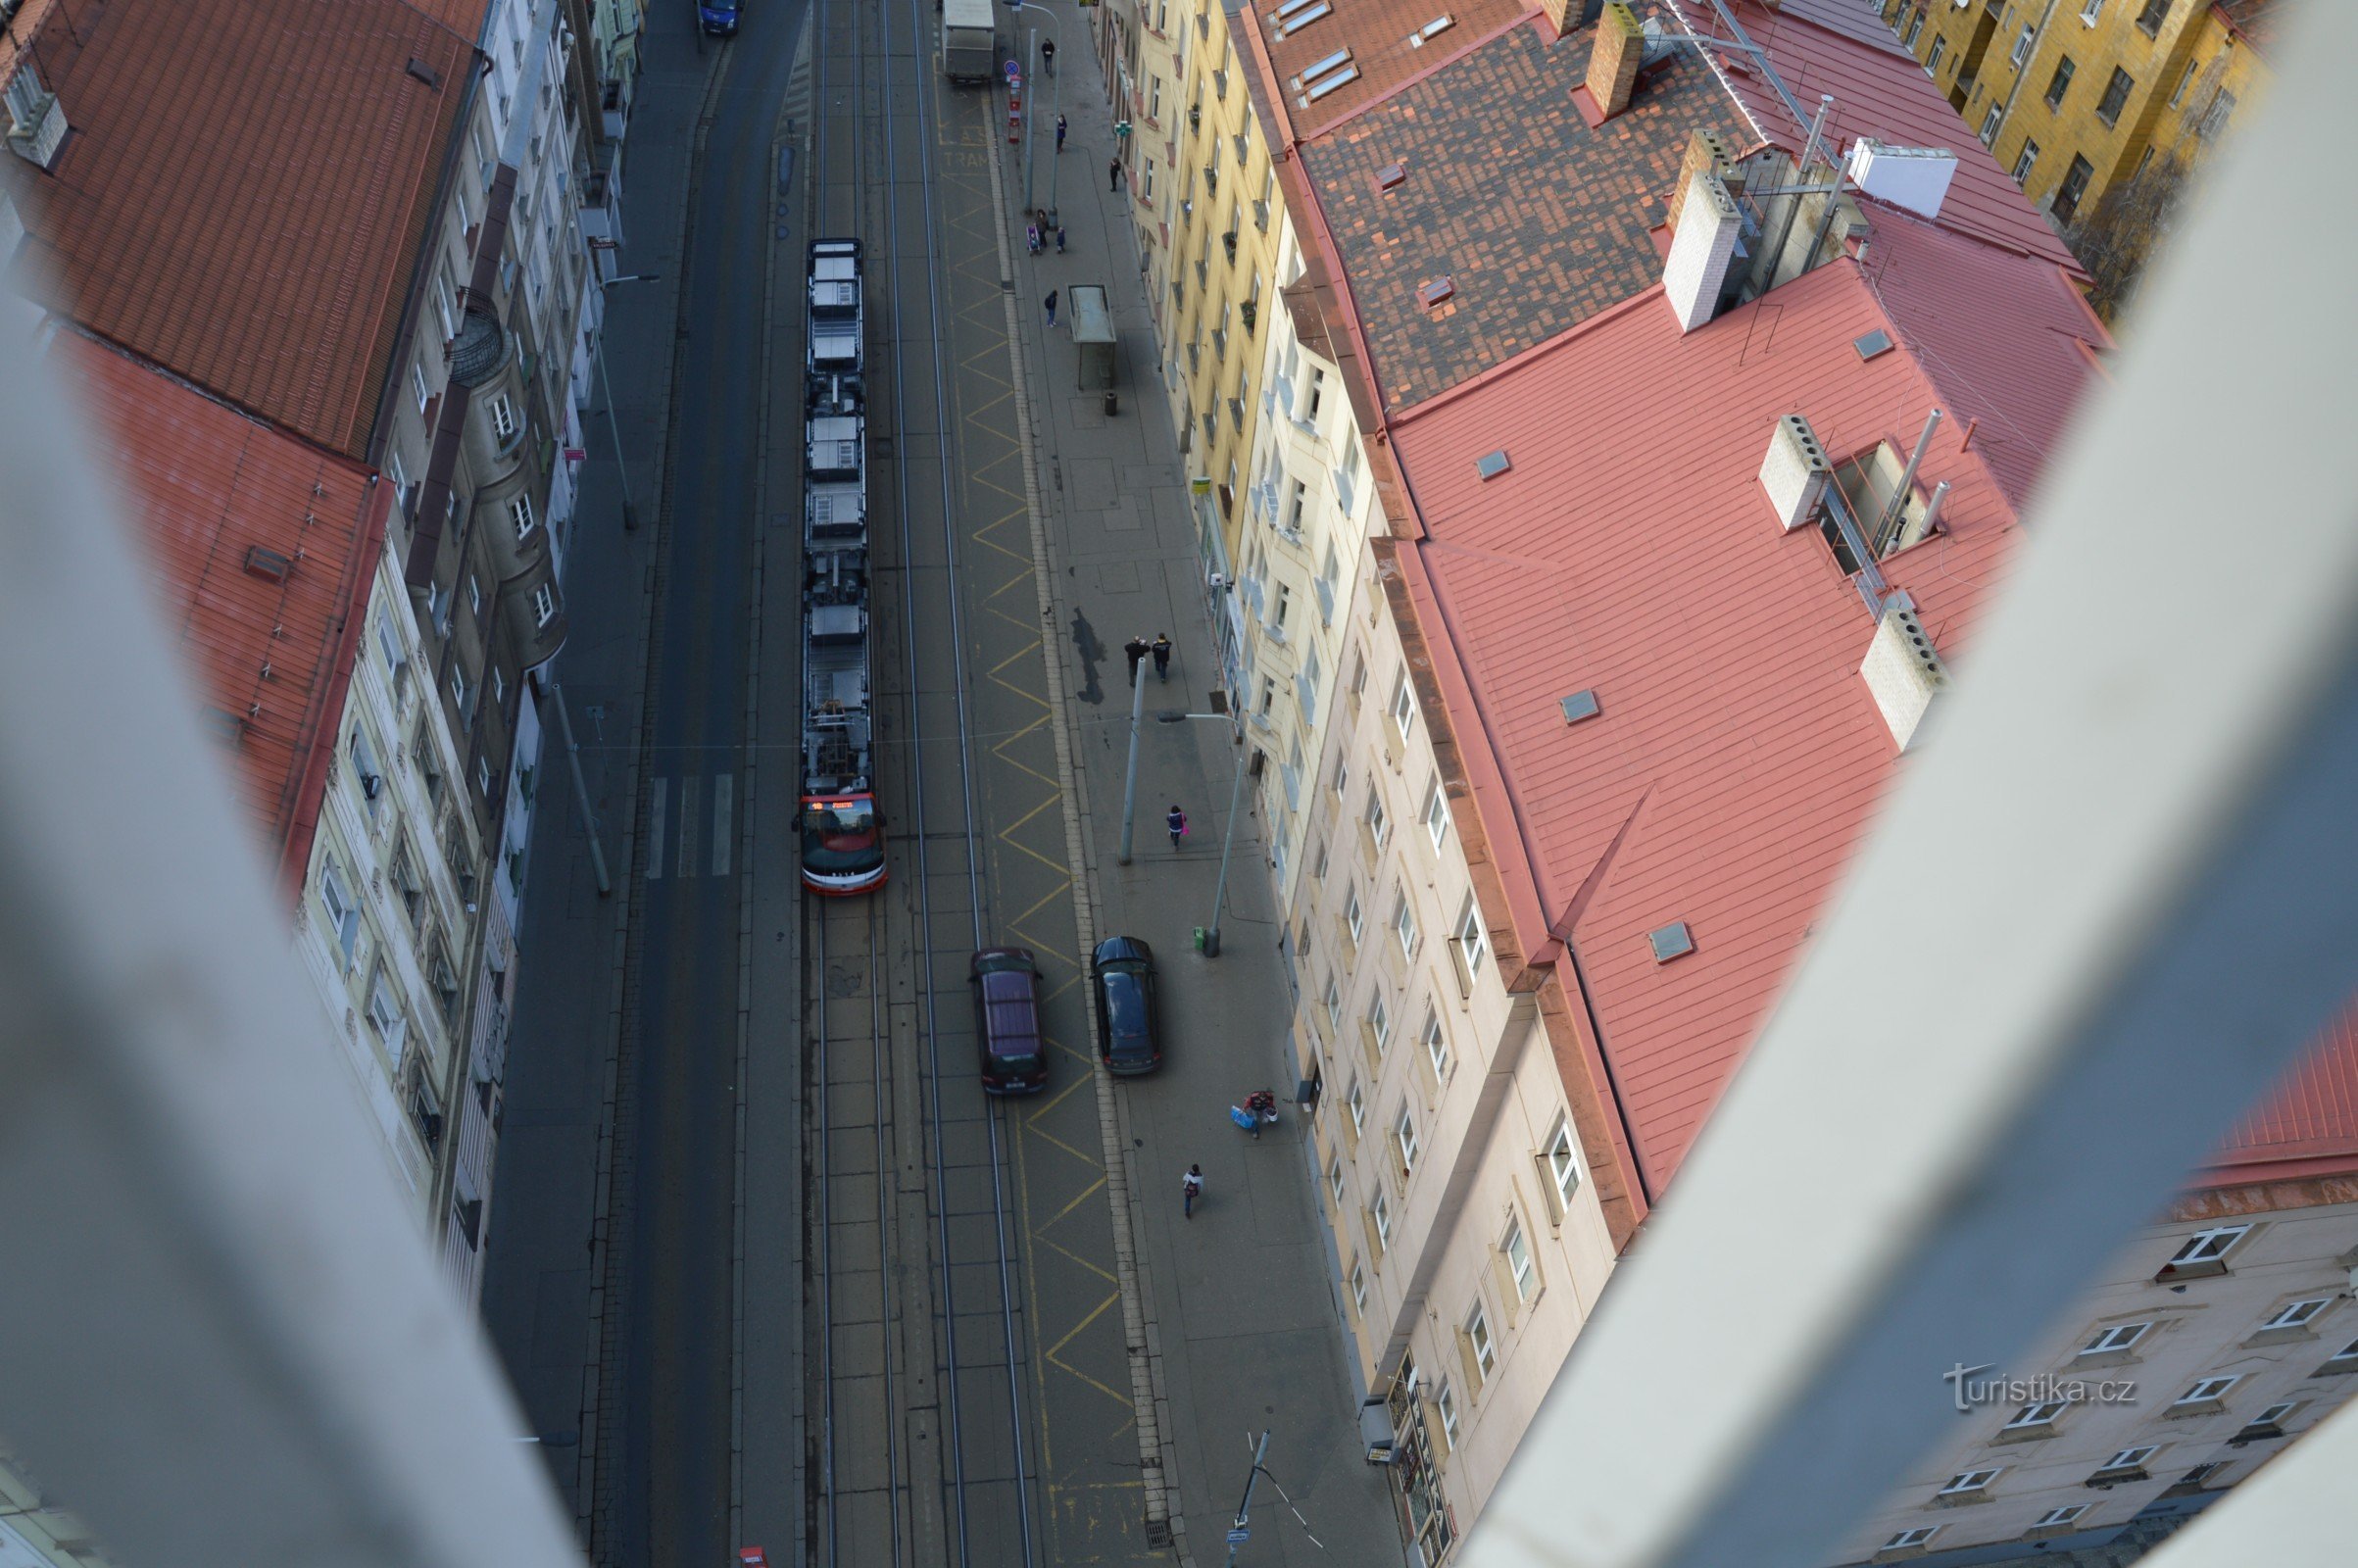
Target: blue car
point(719, 17)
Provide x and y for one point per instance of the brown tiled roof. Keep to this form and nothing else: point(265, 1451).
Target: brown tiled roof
point(245, 189)
point(1537, 222)
point(1377, 33)
point(2255, 21)
point(17, 31)
point(274, 660)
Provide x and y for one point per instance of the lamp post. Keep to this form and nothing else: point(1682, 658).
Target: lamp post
point(630, 514)
point(1236, 792)
point(1239, 1532)
point(1031, 51)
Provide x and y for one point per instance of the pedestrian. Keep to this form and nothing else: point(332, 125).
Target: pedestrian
point(1031, 238)
point(1047, 55)
point(1136, 648)
point(1162, 656)
point(1060, 133)
point(1060, 240)
point(1113, 175)
point(1190, 1188)
point(1051, 307)
point(1176, 821)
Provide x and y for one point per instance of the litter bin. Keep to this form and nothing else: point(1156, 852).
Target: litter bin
point(1093, 338)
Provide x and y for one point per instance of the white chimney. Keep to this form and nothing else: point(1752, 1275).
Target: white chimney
point(1902, 669)
point(1795, 472)
point(1700, 251)
point(1914, 177)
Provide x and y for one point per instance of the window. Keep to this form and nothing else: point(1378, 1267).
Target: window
point(1379, 1024)
point(1147, 190)
point(1997, 112)
point(2032, 1416)
point(2206, 1250)
point(1915, 28)
point(503, 417)
point(1354, 919)
point(2116, 94)
point(2025, 160)
point(1437, 814)
point(2268, 1423)
point(2022, 46)
point(544, 605)
point(1444, 1400)
point(1358, 1287)
point(343, 920)
point(386, 1014)
point(2184, 83)
point(1379, 821)
point(371, 773)
point(2054, 1517)
point(388, 643)
point(1403, 1133)
point(1404, 926)
point(1471, 939)
point(1380, 1211)
point(1342, 774)
point(426, 394)
point(474, 597)
point(1154, 99)
point(2127, 1460)
point(519, 512)
point(1915, 1536)
point(499, 688)
point(1479, 1345)
point(1333, 1003)
point(1334, 1180)
point(1516, 1252)
point(2061, 82)
point(1436, 1045)
point(2091, 11)
point(2344, 1359)
point(2297, 1315)
point(1563, 1159)
point(1965, 1483)
point(1931, 62)
point(483, 775)
point(1403, 706)
point(1282, 612)
point(1357, 1104)
point(2115, 1337)
point(2208, 1391)
point(2150, 20)
point(1315, 396)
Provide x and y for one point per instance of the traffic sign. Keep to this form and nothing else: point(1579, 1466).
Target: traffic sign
point(1239, 1536)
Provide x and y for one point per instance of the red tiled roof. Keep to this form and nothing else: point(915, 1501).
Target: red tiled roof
point(1630, 550)
point(1819, 46)
point(245, 190)
point(208, 483)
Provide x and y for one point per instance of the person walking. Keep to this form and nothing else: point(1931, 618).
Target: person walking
point(1190, 1188)
point(1113, 175)
point(1176, 821)
point(1051, 307)
point(1060, 133)
point(1060, 240)
point(1136, 648)
point(1162, 656)
point(1047, 55)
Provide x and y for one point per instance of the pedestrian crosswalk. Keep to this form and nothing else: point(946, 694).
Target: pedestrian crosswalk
point(684, 838)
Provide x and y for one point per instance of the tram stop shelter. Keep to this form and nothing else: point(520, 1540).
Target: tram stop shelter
point(1093, 337)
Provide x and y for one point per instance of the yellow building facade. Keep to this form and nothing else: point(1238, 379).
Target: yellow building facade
point(2098, 108)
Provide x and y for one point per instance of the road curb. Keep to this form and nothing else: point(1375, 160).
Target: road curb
point(1138, 1333)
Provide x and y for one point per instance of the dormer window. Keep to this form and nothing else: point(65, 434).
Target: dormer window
point(1867, 482)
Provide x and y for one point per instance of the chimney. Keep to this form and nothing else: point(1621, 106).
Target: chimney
point(1613, 61)
point(1705, 154)
point(1914, 177)
point(1902, 669)
point(1795, 472)
point(1700, 251)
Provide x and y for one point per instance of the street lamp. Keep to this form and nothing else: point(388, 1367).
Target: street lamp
point(1236, 792)
point(1031, 52)
point(630, 514)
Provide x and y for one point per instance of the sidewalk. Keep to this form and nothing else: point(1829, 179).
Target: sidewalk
point(1244, 1299)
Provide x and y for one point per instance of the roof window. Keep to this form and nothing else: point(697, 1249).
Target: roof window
point(1874, 343)
point(1323, 77)
point(1431, 31)
point(1672, 941)
point(1579, 706)
point(1294, 15)
point(1435, 292)
point(1390, 175)
point(1491, 464)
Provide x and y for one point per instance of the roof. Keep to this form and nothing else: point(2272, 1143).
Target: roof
point(18, 31)
point(1537, 222)
point(208, 483)
point(2308, 1126)
point(1387, 46)
point(1879, 90)
point(1629, 550)
point(246, 189)
point(2255, 22)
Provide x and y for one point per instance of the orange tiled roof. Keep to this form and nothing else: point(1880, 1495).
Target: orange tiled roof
point(275, 660)
point(245, 189)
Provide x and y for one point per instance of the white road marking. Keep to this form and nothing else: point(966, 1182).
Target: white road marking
point(687, 826)
point(655, 839)
point(723, 797)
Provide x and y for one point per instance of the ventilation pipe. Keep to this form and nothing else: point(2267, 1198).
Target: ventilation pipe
point(1894, 508)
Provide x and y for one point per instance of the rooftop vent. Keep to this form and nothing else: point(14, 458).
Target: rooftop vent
point(1324, 77)
point(1795, 472)
point(1431, 31)
point(1876, 342)
point(226, 728)
point(423, 71)
point(1433, 293)
point(1914, 177)
point(1672, 941)
point(1391, 175)
point(1902, 669)
point(1579, 706)
point(1492, 465)
point(268, 564)
point(1294, 15)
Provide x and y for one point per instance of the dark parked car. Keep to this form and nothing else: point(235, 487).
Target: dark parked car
point(1006, 982)
point(1124, 968)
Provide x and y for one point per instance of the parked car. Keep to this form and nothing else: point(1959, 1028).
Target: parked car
point(1006, 982)
point(1124, 968)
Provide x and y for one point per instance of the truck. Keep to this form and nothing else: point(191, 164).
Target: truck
point(969, 39)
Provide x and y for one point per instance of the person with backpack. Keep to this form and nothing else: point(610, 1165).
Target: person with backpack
point(1190, 1188)
point(1177, 823)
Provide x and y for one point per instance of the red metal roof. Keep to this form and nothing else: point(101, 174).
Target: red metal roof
point(1878, 91)
point(2308, 1126)
point(244, 192)
point(208, 483)
point(1630, 550)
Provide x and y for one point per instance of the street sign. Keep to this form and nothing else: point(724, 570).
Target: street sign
point(1239, 1536)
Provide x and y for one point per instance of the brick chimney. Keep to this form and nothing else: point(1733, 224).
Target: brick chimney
point(1700, 251)
point(1613, 62)
point(1705, 154)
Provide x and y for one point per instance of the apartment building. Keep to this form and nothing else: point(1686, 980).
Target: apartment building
point(2217, 1337)
point(2099, 109)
